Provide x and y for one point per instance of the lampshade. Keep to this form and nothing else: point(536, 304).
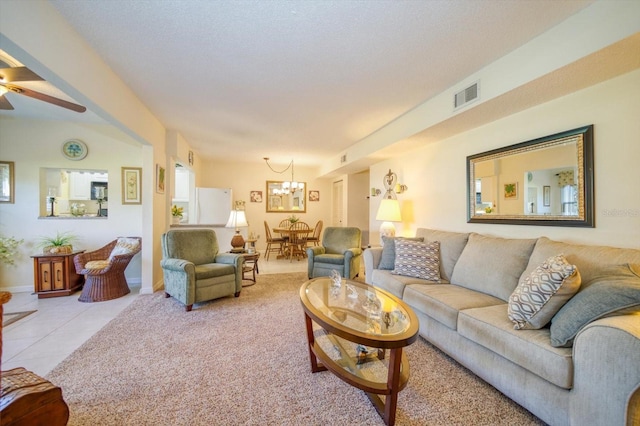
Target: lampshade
point(389, 211)
point(237, 219)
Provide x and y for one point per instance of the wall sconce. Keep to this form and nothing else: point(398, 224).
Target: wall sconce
point(399, 188)
point(375, 192)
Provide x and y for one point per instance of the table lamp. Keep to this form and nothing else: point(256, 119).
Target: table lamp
point(237, 219)
point(388, 212)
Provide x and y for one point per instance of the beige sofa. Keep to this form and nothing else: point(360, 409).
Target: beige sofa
point(594, 382)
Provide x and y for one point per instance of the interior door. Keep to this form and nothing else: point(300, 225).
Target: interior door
point(337, 215)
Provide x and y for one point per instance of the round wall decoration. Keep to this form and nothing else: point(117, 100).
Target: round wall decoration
point(74, 149)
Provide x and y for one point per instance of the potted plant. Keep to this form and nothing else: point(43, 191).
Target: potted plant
point(8, 249)
point(293, 219)
point(176, 214)
point(61, 243)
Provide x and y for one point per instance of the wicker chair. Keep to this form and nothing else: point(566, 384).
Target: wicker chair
point(104, 269)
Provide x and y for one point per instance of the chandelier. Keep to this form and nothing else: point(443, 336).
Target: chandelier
point(287, 186)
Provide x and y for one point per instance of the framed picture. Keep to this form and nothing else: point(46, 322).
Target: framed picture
point(131, 185)
point(160, 179)
point(255, 196)
point(511, 191)
point(314, 195)
point(7, 185)
point(191, 158)
point(546, 195)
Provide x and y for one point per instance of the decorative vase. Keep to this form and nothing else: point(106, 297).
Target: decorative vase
point(175, 220)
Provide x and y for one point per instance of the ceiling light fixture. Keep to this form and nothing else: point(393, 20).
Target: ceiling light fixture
point(287, 186)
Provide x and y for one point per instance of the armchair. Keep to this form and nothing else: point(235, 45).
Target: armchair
point(340, 250)
point(193, 269)
point(104, 269)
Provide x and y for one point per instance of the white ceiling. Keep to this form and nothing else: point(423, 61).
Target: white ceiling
point(243, 80)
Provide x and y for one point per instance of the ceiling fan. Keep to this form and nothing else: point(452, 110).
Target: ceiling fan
point(10, 75)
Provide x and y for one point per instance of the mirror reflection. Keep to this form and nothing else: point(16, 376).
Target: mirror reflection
point(547, 181)
point(74, 193)
point(286, 197)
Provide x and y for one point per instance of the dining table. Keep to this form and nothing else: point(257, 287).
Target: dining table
point(286, 234)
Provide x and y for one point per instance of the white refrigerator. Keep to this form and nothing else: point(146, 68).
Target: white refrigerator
point(212, 206)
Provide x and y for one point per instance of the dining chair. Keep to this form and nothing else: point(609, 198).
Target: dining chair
point(273, 244)
point(315, 237)
point(297, 245)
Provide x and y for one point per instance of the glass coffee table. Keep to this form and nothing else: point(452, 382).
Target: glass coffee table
point(349, 328)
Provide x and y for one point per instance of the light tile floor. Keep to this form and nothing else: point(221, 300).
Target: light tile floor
point(60, 325)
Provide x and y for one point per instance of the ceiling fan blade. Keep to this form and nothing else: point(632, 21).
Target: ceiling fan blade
point(18, 74)
point(46, 98)
point(4, 103)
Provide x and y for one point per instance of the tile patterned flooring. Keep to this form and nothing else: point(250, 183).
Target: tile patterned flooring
point(43, 339)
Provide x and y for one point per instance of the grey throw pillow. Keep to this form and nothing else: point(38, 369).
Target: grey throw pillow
point(388, 258)
point(417, 259)
point(615, 291)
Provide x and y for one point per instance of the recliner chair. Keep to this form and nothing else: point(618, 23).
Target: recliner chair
point(340, 250)
point(194, 270)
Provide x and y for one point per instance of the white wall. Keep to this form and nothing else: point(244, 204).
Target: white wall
point(436, 173)
point(33, 144)
point(243, 178)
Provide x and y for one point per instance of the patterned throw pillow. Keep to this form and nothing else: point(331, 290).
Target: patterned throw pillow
point(388, 258)
point(541, 294)
point(417, 259)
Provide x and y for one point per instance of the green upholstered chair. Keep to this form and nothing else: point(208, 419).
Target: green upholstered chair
point(340, 250)
point(194, 271)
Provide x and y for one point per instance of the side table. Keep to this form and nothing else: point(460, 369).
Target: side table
point(55, 274)
point(250, 264)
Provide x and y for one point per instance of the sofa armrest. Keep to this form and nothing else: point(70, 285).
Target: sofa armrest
point(177, 265)
point(352, 252)
point(372, 258)
point(603, 387)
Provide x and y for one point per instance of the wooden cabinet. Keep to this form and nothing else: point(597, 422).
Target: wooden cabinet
point(55, 275)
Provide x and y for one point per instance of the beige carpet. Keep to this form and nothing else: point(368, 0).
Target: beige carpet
point(243, 361)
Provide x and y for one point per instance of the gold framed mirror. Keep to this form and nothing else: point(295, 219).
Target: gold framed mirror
point(282, 197)
point(546, 181)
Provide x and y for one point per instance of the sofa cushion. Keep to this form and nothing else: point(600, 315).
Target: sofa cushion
point(124, 245)
point(212, 270)
point(616, 291)
point(388, 259)
point(542, 293)
point(530, 349)
point(395, 284)
point(442, 302)
point(451, 245)
point(492, 265)
point(334, 259)
point(417, 259)
point(588, 259)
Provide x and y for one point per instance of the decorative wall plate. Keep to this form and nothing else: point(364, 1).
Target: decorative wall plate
point(74, 149)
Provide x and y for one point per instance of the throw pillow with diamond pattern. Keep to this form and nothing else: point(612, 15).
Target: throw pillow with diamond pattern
point(417, 259)
point(542, 293)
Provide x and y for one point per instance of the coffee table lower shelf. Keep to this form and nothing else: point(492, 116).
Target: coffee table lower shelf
point(392, 374)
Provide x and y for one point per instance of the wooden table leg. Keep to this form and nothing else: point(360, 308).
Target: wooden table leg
point(311, 341)
point(393, 383)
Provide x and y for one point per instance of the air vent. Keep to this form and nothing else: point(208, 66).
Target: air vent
point(343, 159)
point(466, 96)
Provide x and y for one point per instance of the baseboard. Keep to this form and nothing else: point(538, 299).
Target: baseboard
point(18, 289)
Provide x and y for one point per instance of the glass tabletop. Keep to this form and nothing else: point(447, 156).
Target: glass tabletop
point(359, 307)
